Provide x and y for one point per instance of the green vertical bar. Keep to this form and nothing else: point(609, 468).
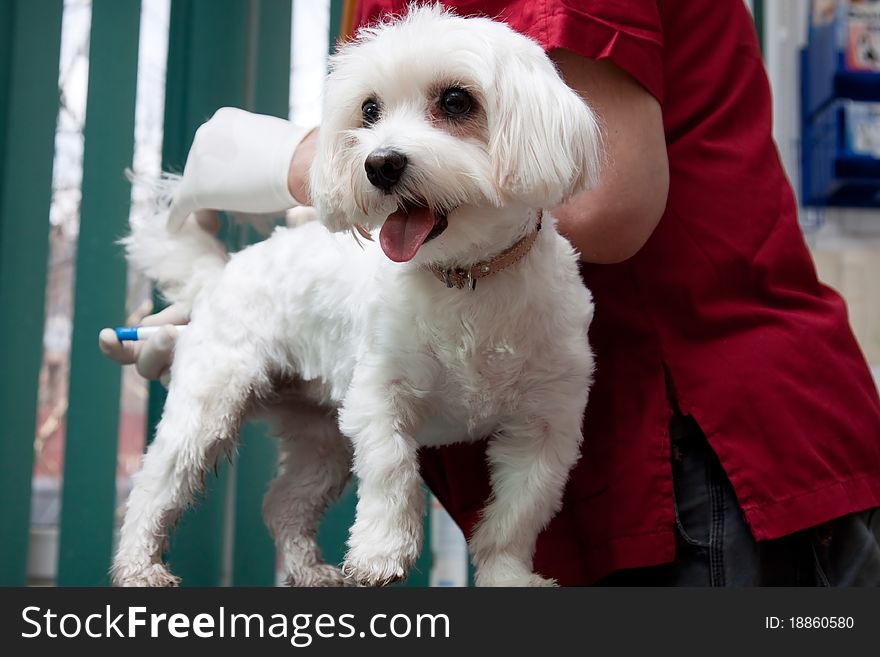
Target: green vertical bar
point(89, 492)
point(758, 15)
point(253, 556)
point(271, 41)
point(267, 92)
point(207, 51)
point(335, 23)
point(420, 575)
point(31, 32)
point(333, 532)
point(6, 23)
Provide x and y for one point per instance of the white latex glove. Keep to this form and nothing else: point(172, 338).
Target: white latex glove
point(238, 162)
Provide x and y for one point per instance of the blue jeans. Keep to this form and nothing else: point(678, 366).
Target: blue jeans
point(714, 546)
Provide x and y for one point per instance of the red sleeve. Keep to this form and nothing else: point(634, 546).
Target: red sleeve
point(628, 32)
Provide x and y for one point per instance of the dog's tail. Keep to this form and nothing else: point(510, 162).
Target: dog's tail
point(182, 263)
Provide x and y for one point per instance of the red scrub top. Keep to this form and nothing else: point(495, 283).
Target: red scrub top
point(723, 297)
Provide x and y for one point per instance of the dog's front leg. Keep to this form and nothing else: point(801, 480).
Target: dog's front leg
point(386, 537)
point(529, 461)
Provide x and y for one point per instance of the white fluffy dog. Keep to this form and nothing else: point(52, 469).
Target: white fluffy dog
point(466, 318)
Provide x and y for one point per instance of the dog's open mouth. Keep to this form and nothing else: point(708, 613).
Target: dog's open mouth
point(407, 229)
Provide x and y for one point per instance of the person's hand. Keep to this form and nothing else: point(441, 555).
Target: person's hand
point(152, 357)
point(240, 162)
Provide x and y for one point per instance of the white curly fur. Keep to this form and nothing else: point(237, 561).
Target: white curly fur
point(350, 353)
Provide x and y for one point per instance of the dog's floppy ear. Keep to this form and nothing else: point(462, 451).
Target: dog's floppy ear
point(544, 140)
point(329, 189)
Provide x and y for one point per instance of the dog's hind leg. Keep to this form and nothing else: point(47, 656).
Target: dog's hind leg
point(315, 466)
point(212, 387)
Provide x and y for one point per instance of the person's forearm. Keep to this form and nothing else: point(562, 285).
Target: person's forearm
point(298, 176)
point(611, 222)
point(607, 227)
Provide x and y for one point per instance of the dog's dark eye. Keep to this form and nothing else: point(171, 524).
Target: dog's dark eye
point(370, 112)
point(456, 102)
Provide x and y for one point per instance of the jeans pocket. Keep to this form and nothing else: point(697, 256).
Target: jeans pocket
point(693, 499)
point(685, 536)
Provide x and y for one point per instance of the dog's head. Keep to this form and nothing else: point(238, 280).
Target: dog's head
point(431, 116)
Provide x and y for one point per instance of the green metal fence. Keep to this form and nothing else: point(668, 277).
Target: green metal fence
point(221, 52)
point(30, 34)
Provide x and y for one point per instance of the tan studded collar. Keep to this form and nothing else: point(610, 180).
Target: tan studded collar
point(467, 277)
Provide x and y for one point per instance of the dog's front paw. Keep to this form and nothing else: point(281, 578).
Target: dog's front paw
point(153, 575)
point(381, 551)
point(374, 570)
point(371, 565)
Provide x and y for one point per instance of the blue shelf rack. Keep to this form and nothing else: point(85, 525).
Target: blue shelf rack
point(833, 172)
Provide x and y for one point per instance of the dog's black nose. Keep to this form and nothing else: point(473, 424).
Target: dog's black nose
point(385, 167)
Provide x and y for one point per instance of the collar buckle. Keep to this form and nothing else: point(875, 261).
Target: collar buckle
point(460, 277)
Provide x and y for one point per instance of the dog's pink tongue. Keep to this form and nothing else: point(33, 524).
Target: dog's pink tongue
point(404, 232)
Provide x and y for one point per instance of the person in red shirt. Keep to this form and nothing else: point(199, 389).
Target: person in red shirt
point(733, 431)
